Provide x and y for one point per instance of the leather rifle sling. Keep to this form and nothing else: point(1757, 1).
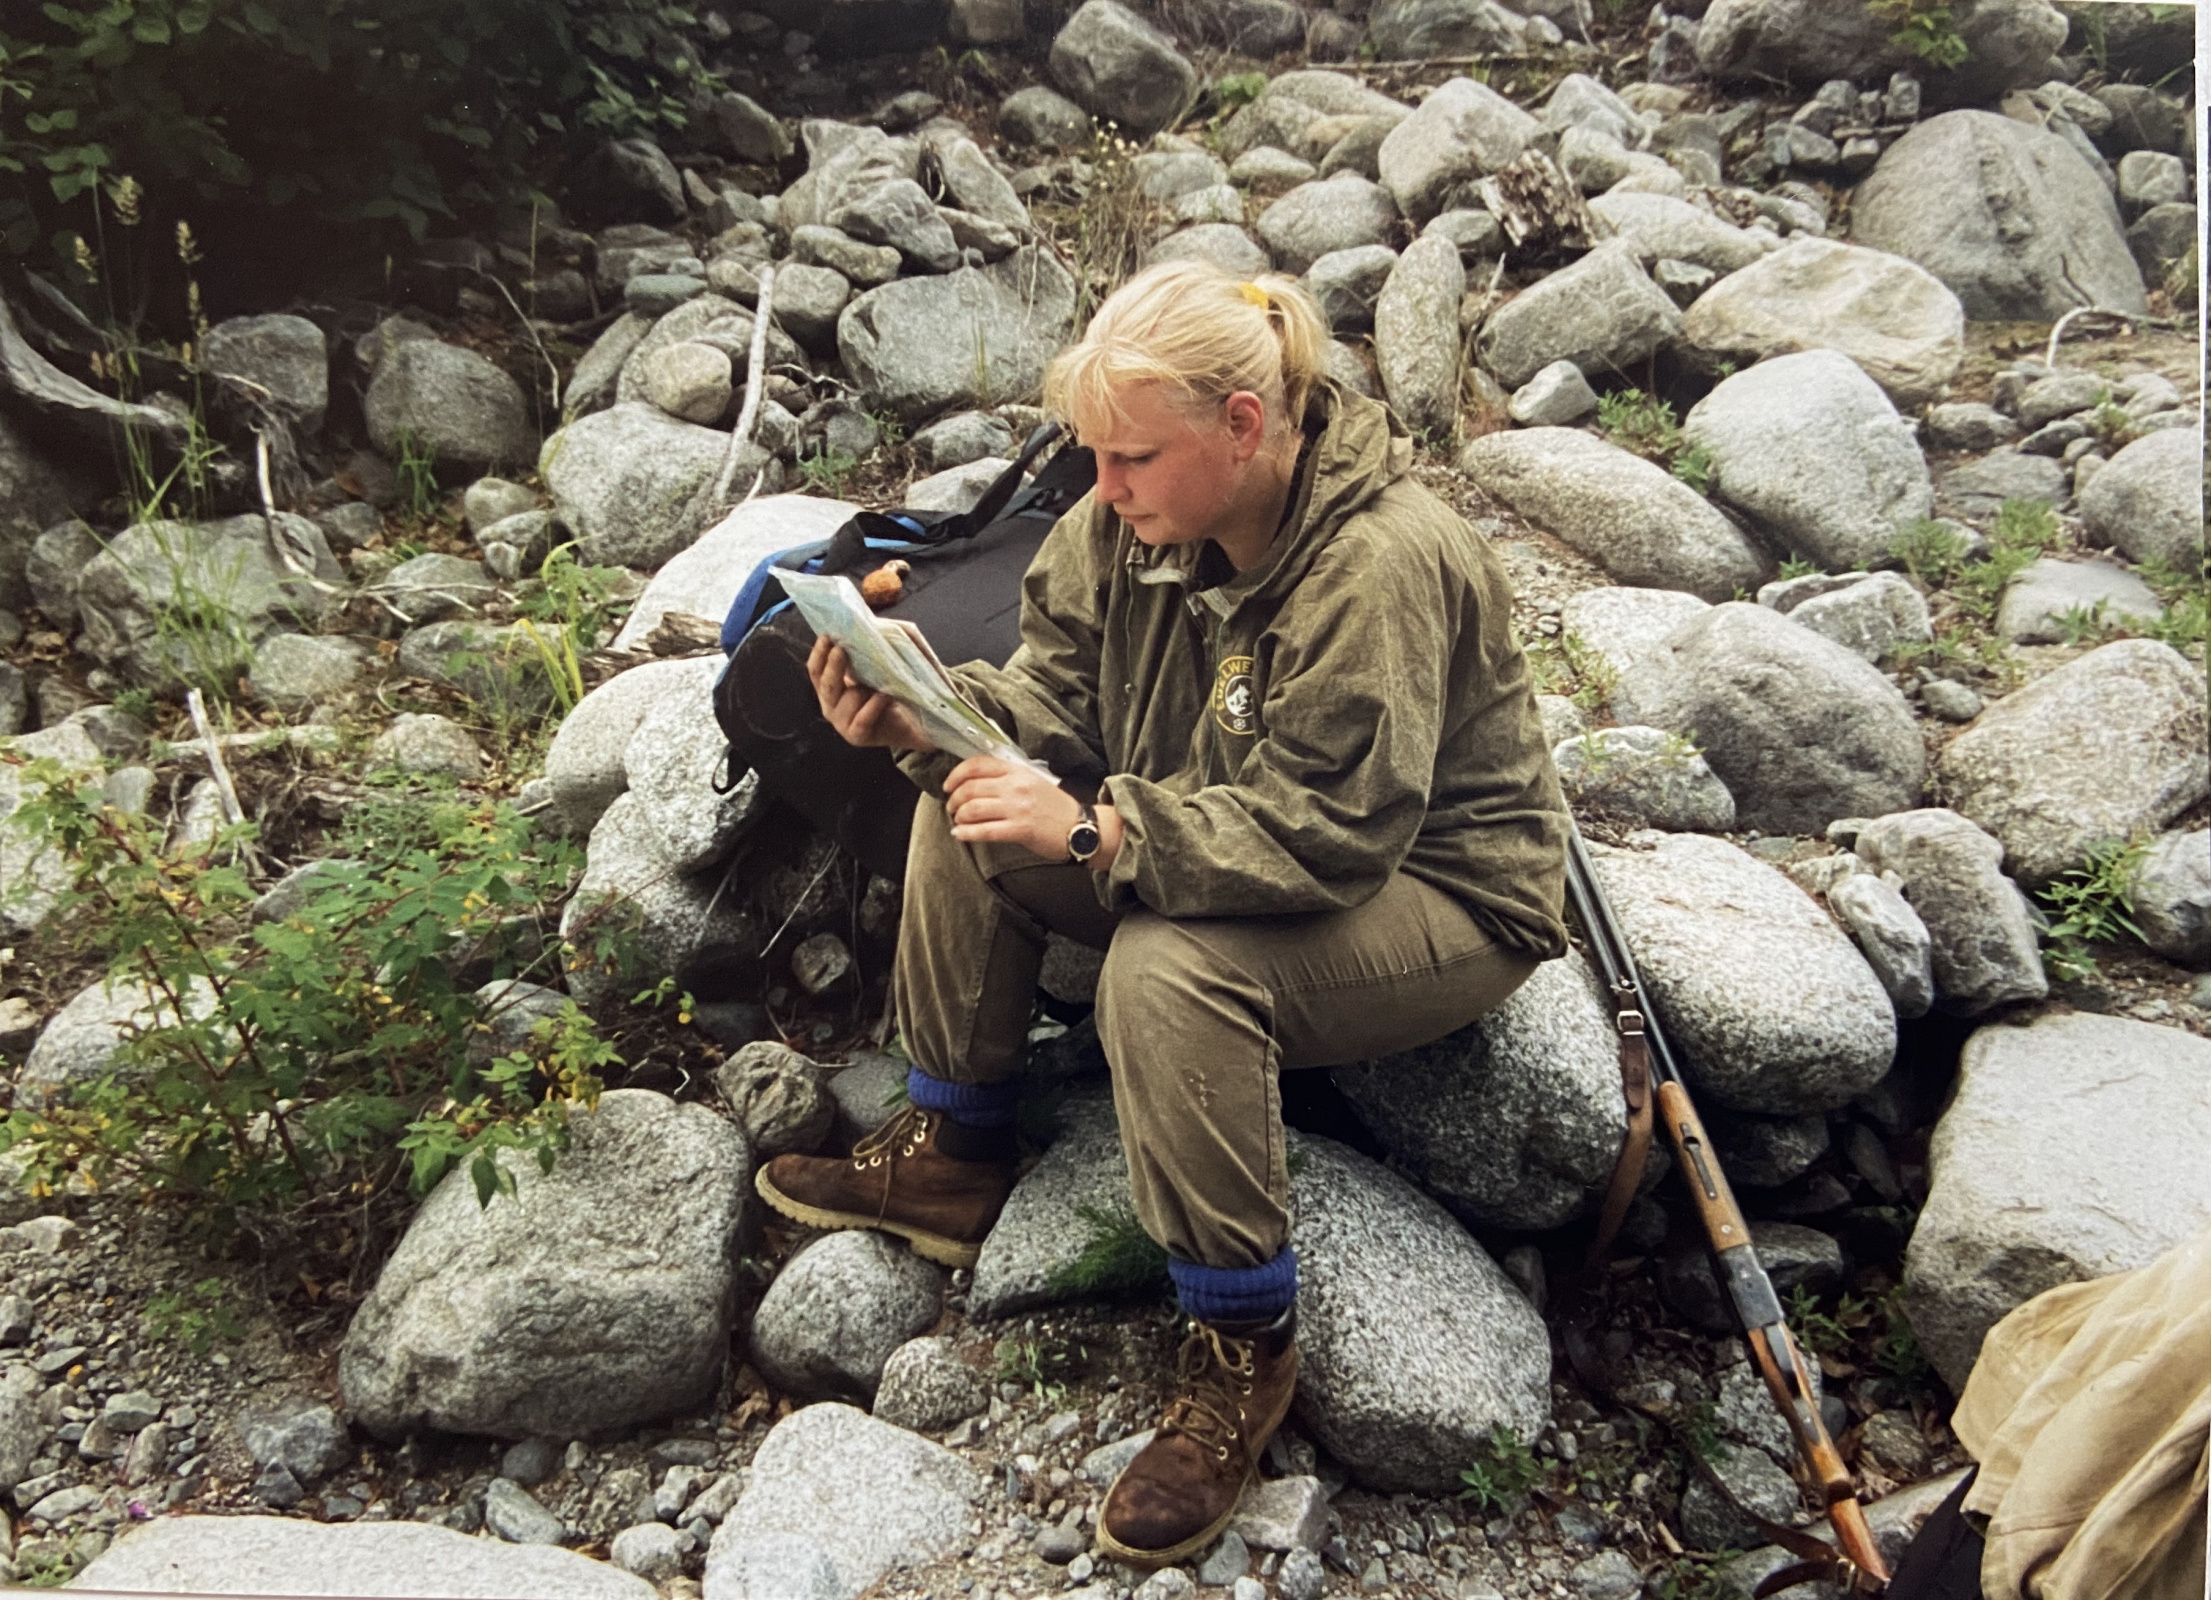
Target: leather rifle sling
point(1635, 1087)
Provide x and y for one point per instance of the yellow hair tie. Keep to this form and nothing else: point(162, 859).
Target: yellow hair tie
point(1256, 295)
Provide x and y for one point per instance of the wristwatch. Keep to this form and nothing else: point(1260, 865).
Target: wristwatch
point(1083, 838)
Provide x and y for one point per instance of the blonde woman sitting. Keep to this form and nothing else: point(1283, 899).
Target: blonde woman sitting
point(1325, 827)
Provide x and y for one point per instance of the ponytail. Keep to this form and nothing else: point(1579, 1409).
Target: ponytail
point(1203, 334)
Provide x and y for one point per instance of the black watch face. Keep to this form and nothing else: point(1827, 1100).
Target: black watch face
point(1082, 840)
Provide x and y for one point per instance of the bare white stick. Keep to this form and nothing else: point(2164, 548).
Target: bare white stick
point(233, 812)
point(755, 382)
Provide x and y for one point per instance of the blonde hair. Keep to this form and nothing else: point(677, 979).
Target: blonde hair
point(1200, 332)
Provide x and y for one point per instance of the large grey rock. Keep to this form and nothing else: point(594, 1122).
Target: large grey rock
point(260, 1555)
point(975, 338)
point(1406, 30)
point(302, 1435)
point(587, 764)
point(1624, 627)
point(1316, 219)
point(296, 672)
point(1346, 283)
point(2172, 897)
point(1662, 227)
point(635, 484)
point(1416, 336)
point(1979, 488)
point(1810, 449)
point(685, 927)
point(1515, 1118)
point(451, 403)
point(2037, 600)
point(1645, 777)
point(673, 761)
point(432, 587)
point(423, 741)
point(226, 572)
point(1223, 243)
point(835, 1500)
point(1800, 730)
point(2105, 746)
point(1869, 618)
point(866, 265)
point(2006, 214)
point(22, 1434)
point(1557, 395)
point(598, 1297)
point(54, 566)
point(691, 381)
point(1295, 104)
point(901, 214)
point(977, 187)
point(1772, 1006)
point(837, 1310)
point(1045, 118)
point(843, 161)
point(926, 1386)
point(710, 319)
point(1412, 1344)
point(276, 363)
point(1982, 946)
point(33, 873)
point(1891, 936)
point(80, 1042)
point(1462, 131)
point(777, 1098)
point(703, 579)
point(34, 496)
point(1895, 319)
point(1644, 525)
point(2008, 43)
point(2148, 499)
point(1602, 313)
point(2072, 1148)
point(1121, 69)
point(592, 386)
point(1039, 1233)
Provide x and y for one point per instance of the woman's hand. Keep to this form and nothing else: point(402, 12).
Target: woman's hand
point(990, 801)
point(862, 716)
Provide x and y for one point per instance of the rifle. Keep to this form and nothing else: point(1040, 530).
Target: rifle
point(1647, 1063)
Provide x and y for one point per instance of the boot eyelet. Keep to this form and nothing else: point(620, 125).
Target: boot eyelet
point(1221, 1451)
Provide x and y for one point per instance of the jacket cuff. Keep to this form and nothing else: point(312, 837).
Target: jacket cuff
point(927, 769)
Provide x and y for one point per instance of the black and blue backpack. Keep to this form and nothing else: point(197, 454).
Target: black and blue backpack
point(962, 589)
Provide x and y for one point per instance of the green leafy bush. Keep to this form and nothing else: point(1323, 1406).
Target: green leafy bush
point(299, 1080)
point(351, 110)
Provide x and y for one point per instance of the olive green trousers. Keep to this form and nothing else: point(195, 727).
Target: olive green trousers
point(1197, 1015)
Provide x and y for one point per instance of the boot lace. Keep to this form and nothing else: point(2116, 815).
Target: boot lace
point(897, 1138)
point(1213, 1375)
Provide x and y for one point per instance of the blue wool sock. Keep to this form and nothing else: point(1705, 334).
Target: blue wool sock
point(1236, 1294)
point(973, 1105)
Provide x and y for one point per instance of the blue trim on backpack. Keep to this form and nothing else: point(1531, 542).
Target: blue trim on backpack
point(745, 612)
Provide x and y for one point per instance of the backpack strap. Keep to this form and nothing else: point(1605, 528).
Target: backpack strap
point(849, 545)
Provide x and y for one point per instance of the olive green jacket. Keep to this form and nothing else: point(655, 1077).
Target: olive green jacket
point(1284, 739)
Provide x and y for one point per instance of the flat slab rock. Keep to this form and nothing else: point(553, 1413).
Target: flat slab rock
point(2104, 747)
point(835, 1500)
point(396, 1560)
point(1770, 1003)
point(2074, 1147)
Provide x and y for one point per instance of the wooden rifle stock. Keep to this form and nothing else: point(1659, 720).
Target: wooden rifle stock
point(1780, 1363)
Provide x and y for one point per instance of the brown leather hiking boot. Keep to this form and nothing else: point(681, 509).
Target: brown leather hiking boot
point(1182, 1488)
point(899, 1179)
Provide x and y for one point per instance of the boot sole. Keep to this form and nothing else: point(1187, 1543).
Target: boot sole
point(933, 1246)
point(1174, 1552)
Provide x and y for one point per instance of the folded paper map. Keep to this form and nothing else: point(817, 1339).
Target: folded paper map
point(892, 656)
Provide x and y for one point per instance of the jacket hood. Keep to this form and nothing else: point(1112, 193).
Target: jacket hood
point(1358, 449)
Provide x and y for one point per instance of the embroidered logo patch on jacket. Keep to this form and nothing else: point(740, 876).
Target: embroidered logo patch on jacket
point(1236, 696)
